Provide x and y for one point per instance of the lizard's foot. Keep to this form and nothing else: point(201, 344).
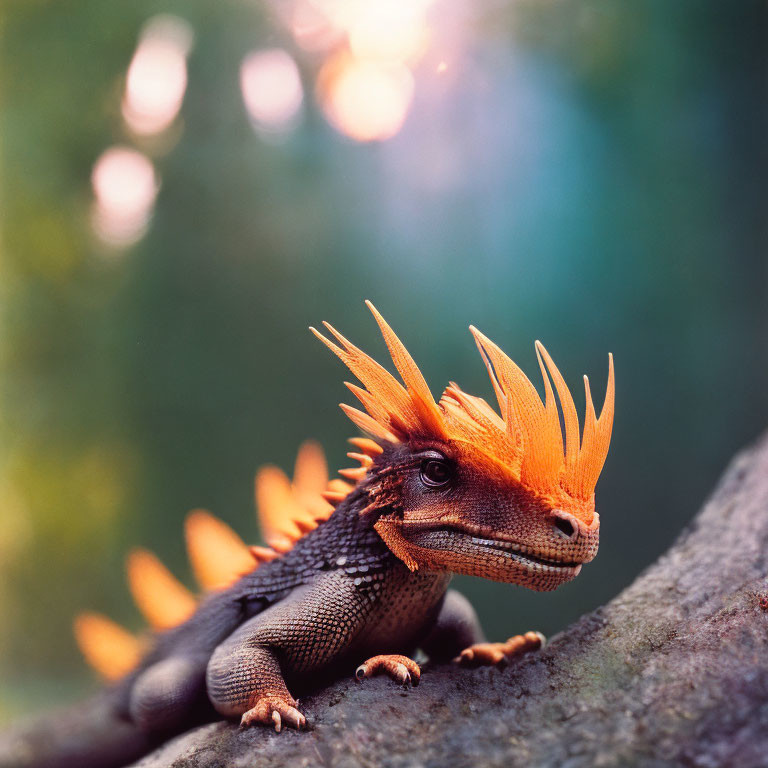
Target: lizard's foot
point(274, 710)
point(491, 654)
point(400, 668)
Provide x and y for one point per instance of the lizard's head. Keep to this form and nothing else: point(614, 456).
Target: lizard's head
point(460, 488)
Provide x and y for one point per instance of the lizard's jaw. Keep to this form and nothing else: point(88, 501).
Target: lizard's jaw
point(490, 558)
point(530, 561)
point(464, 549)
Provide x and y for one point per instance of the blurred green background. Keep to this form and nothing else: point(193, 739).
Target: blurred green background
point(587, 173)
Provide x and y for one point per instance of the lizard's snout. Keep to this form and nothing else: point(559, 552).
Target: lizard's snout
point(571, 527)
point(576, 534)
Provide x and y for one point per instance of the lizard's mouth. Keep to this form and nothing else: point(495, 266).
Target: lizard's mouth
point(500, 551)
point(535, 562)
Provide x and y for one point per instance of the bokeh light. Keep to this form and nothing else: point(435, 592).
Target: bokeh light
point(394, 31)
point(124, 188)
point(272, 90)
point(365, 100)
point(157, 75)
point(366, 83)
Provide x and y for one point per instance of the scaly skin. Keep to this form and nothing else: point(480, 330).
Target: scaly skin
point(338, 598)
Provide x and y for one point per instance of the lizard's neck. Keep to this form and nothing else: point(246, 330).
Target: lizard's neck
point(350, 538)
point(347, 539)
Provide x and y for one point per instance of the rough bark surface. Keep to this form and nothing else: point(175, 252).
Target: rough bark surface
point(673, 671)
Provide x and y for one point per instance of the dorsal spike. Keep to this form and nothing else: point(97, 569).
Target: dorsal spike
point(219, 557)
point(263, 554)
point(526, 415)
point(277, 509)
point(340, 486)
point(334, 497)
point(367, 446)
point(305, 526)
point(310, 474)
point(414, 381)
point(356, 474)
point(107, 647)
point(162, 599)
point(310, 477)
point(364, 459)
point(379, 382)
point(570, 417)
point(367, 424)
point(605, 423)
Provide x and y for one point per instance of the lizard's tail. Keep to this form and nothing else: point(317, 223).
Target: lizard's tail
point(88, 735)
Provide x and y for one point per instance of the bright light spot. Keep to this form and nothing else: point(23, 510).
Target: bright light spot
point(365, 100)
point(393, 31)
point(124, 188)
point(339, 13)
point(366, 88)
point(271, 87)
point(157, 75)
point(441, 67)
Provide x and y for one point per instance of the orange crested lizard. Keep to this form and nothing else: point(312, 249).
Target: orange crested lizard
point(356, 573)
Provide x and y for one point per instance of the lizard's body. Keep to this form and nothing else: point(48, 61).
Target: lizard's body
point(445, 487)
point(337, 598)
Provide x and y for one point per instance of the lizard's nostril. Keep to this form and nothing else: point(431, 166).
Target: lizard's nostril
point(565, 526)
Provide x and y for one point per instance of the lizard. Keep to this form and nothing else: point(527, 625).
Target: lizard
point(444, 487)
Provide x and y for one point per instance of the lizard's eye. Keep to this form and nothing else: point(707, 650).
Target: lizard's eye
point(435, 473)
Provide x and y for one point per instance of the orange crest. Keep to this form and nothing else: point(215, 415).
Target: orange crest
point(526, 439)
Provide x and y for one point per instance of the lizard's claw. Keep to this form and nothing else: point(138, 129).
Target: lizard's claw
point(400, 668)
point(491, 654)
point(274, 710)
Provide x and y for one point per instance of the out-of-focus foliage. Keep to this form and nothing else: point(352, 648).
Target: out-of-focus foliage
point(587, 173)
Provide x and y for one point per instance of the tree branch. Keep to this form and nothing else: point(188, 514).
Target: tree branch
point(673, 671)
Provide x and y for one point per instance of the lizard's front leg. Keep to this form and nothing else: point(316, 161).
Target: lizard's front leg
point(457, 634)
point(492, 654)
point(304, 632)
point(399, 668)
point(455, 628)
point(245, 679)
